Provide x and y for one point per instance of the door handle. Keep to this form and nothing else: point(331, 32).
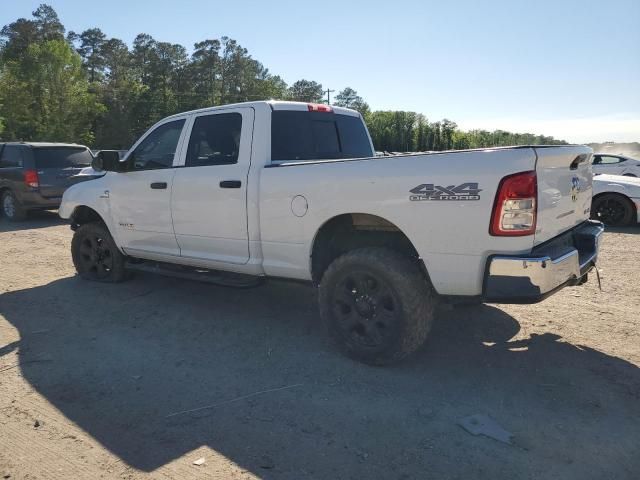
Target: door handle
point(159, 185)
point(230, 184)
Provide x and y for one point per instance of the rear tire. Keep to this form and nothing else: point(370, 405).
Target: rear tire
point(11, 208)
point(613, 209)
point(377, 304)
point(95, 254)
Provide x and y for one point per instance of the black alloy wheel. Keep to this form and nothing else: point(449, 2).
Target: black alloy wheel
point(612, 209)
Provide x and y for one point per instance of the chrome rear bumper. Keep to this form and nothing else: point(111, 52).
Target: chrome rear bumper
point(564, 260)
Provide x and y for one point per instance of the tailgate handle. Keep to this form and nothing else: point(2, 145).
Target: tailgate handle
point(159, 185)
point(578, 160)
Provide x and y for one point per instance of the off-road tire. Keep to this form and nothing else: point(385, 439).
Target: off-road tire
point(17, 213)
point(96, 256)
point(377, 305)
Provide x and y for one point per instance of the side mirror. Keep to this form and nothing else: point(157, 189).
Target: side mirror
point(107, 160)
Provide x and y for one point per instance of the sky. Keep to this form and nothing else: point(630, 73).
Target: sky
point(566, 68)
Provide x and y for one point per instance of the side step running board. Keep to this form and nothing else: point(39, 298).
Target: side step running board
point(224, 279)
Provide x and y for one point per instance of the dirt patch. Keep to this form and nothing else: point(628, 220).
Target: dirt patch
point(93, 379)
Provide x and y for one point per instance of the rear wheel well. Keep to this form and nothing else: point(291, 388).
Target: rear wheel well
point(84, 214)
point(355, 230)
point(617, 194)
point(7, 189)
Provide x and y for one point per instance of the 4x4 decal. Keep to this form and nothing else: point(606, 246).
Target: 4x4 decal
point(429, 191)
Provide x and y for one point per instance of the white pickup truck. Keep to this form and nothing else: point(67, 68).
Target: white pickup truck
point(293, 190)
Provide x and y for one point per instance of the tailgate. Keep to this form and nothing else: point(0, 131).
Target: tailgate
point(53, 181)
point(58, 166)
point(564, 189)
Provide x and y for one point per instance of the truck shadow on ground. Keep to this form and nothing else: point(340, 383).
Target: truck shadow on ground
point(35, 219)
point(121, 359)
point(628, 229)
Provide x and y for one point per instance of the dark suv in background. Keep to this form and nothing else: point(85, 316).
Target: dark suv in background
point(33, 176)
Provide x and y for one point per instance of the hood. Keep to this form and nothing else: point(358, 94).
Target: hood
point(90, 172)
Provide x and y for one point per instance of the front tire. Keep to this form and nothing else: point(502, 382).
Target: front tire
point(95, 254)
point(11, 208)
point(612, 209)
point(377, 304)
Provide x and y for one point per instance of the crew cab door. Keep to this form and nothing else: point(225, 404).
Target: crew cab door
point(140, 196)
point(209, 201)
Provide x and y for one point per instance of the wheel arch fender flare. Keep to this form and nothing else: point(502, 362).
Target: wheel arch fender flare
point(335, 236)
point(82, 214)
point(618, 193)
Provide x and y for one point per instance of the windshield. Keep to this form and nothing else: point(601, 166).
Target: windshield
point(62, 157)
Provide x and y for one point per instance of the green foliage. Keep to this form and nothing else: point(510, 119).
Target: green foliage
point(47, 23)
point(91, 49)
point(349, 98)
point(16, 37)
point(45, 95)
point(394, 131)
point(305, 91)
point(96, 90)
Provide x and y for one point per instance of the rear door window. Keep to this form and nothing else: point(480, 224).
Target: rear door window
point(11, 157)
point(306, 136)
point(215, 140)
point(61, 157)
point(608, 160)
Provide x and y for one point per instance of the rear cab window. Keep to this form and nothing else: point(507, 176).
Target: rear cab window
point(61, 157)
point(307, 136)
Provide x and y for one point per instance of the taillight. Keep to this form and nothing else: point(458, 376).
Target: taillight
point(31, 178)
point(514, 211)
point(319, 107)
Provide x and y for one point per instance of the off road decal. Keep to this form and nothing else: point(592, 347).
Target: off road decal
point(431, 192)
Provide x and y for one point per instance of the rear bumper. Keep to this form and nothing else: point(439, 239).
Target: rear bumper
point(564, 260)
point(35, 200)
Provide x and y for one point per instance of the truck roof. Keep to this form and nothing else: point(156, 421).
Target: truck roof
point(273, 105)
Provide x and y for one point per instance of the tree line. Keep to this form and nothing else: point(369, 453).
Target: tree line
point(88, 88)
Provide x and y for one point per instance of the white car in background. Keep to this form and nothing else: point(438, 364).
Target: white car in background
point(616, 200)
point(615, 165)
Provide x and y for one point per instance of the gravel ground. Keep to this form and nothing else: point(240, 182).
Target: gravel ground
point(93, 380)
